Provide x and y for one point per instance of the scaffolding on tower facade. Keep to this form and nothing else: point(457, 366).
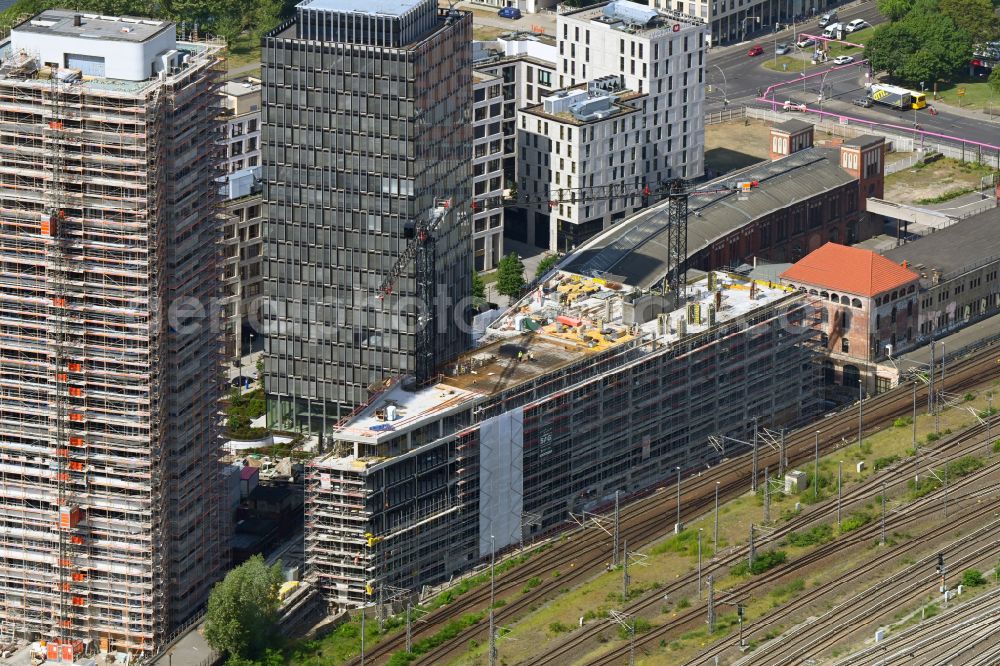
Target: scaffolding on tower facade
point(102, 184)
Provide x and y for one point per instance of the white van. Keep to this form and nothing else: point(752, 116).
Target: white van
point(832, 30)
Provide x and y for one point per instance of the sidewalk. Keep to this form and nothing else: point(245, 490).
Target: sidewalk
point(972, 114)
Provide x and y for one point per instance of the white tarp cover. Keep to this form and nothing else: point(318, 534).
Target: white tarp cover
point(501, 480)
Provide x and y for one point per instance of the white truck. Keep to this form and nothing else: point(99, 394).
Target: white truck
point(833, 31)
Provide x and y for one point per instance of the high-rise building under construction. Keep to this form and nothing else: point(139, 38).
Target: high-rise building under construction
point(367, 130)
point(110, 526)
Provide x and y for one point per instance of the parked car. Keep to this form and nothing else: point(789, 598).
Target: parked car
point(843, 60)
point(803, 43)
point(793, 106)
point(856, 24)
point(782, 49)
point(827, 19)
point(862, 101)
point(509, 13)
point(756, 50)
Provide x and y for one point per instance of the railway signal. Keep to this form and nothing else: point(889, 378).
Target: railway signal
point(942, 569)
point(740, 610)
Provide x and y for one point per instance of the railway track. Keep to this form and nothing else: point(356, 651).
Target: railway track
point(950, 449)
point(920, 510)
point(585, 553)
point(908, 586)
point(966, 634)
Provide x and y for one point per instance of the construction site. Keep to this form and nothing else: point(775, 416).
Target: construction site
point(585, 388)
point(110, 496)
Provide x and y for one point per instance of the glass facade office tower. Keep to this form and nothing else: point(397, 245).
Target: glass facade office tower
point(367, 126)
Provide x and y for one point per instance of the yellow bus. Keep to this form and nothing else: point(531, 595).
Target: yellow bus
point(918, 99)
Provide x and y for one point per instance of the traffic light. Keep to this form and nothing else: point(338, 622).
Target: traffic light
point(740, 608)
point(940, 564)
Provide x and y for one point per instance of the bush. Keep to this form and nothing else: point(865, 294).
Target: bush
point(882, 463)
point(817, 535)
point(547, 263)
point(641, 626)
point(532, 583)
point(996, 446)
point(902, 422)
point(855, 521)
point(964, 466)
point(763, 562)
point(559, 628)
point(956, 469)
point(933, 437)
point(685, 543)
point(241, 410)
point(447, 633)
point(973, 578)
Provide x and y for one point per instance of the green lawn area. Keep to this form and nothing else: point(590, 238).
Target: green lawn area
point(244, 51)
point(859, 37)
point(794, 61)
point(978, 94)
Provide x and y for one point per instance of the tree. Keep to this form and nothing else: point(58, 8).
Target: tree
point(886, 44)
point(894, 9)
point(266, 16)
point(547, 263)
point(510, 275)
point(242, 616)
point(995, 79)
point(975, 18)
point(478, 286)
point(973, 578)
point(922, 47)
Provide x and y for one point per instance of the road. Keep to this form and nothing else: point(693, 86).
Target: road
point(742, 76)
point(841, 85)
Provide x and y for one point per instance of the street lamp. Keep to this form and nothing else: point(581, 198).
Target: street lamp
point(725, 84)
point(822, 87)
point(776, 26)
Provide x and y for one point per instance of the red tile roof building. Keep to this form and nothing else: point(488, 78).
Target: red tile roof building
point(871, 307)
point(849, 269)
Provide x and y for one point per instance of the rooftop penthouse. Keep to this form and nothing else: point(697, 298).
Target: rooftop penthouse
point(104, 54)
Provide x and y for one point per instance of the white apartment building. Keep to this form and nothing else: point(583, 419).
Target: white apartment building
point(630, 116)
point(243, 222)
point(487, 170)
point(241, 132)
point(526, 65)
